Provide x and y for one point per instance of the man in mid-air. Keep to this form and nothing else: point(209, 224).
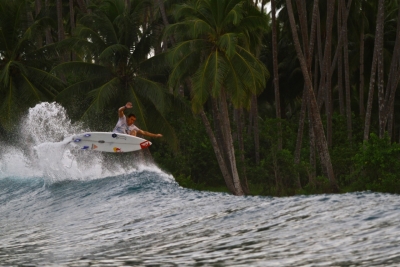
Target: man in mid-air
point(125, 125)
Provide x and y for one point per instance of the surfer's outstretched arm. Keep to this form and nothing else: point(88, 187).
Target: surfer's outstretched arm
point(148, 133)
point(121, 109)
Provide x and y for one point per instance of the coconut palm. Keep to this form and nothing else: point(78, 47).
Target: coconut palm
point(24, 77)
point(212, 53)
point(113, 51)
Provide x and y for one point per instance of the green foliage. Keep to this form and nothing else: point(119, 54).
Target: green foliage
point(213, 50)
point(24, 65)
point(377, 166)
point(194, 164)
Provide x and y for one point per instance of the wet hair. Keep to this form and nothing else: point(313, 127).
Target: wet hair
point(131, 115)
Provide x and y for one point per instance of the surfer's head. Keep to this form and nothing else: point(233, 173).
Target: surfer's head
point(131, 119)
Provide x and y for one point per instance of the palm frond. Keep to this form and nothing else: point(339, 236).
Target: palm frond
point(81, 68)
point(152, 91)
point(102, 95)
point(227, 43)
point(109, 52)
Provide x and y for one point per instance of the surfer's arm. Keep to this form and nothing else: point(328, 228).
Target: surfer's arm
point(149, 134)
point(121, 109)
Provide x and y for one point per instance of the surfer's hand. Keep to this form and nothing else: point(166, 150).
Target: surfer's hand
point(128, 105)
point(158, 135)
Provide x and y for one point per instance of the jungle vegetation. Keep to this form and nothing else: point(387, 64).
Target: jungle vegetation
point(258, 97)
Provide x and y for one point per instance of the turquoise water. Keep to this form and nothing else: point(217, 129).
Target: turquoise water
point(60, 207)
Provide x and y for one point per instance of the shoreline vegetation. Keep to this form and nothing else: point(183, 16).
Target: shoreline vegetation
point(297, 99)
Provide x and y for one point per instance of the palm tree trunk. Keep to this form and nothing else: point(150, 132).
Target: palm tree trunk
point(327, 70)
point(221, 162)
point(72, 23)
point(82, 6)
point(165, 18)
point(303, 19)
point(381, 89)
point(228, 142)
point(393, 80)
point(346, 72)
point(340, 63)
point(316, 119)
point(255, 127)
point(361, 92)
point(300, 131)
point(276, 74)
point(378, 37)
point(240, 124)
point(61, 32)
point(49, 38)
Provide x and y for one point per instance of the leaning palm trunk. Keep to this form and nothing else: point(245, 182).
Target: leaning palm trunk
point(228, 142)
point(327, 70)
point(393, 81)
point(218, 153)
point(310, 50)
point(314, 112)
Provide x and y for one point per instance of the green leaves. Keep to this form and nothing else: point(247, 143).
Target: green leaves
point(24, 65)
point(220, 61)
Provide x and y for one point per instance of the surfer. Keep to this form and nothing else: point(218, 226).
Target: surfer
point(125, 125)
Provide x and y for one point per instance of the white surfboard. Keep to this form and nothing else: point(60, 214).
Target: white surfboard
point(109, 142)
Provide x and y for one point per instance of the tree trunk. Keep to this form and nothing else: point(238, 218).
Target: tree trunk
point(240, 124)
point(381, 89)
point(315, 116)
point(346, 72)
point(276, 74)
point(49, 38)
point(127, 6)
point(302, 17)
point(340, 63)
point(393, 80)
point(361, 92)
point(164, 17)
point(82, 6)
point(300, 131)
point(221, 162)
point(327, 70)
point(60, 23)
point(72, 23)
point(378, 36)
point(228, 142)
point(255, 127)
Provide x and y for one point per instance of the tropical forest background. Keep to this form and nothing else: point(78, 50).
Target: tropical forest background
point(259, 97)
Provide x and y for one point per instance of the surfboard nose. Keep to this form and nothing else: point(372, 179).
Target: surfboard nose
point(145, 144)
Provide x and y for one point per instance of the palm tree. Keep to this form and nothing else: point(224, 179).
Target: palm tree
point(313, 108)
point(212, 51)
point(113, 53)
point(24, 77)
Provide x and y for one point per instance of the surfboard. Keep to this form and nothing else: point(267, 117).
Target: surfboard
point(109, 142)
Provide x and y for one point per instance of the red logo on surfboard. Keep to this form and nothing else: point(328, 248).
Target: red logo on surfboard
point(117, 149)
point(145, 144)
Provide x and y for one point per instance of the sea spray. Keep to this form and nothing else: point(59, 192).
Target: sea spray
point(44, 150)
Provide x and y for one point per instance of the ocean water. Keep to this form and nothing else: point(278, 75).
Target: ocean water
point(62, 207)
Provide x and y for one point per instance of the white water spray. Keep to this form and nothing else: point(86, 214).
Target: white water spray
point(43, 153)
